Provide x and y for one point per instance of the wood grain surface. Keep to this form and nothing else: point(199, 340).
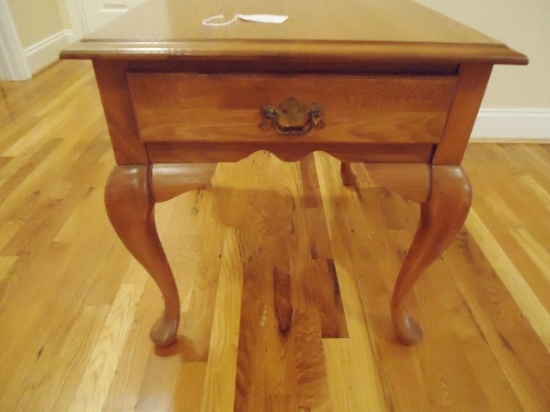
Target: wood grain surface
point(185, 22)
point(227, 108)
point(348, 30)
point(285, 277)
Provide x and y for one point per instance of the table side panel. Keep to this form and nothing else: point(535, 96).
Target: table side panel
point(117, 106)
point(472, 82)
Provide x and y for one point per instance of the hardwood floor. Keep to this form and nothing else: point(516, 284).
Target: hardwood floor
point(285, 277)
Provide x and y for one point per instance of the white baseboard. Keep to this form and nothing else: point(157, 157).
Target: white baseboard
point(46, 51)
point(512, 124)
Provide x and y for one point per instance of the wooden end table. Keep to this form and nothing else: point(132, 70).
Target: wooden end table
point(388, 83)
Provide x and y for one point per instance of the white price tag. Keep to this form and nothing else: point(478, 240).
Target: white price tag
point(255, 18)
point(263, 18)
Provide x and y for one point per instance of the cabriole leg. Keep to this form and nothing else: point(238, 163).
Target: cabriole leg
point(130, 197)
point(442, 216)
point(130, 206)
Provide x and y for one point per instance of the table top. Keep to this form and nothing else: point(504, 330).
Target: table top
point(357, 30)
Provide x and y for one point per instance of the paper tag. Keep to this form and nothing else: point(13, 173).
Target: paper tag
point(255, 18)
point(263, 18)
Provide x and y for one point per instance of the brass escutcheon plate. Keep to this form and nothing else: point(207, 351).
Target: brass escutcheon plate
point(292, 117)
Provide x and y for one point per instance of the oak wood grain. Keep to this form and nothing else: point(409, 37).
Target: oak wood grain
point(441, 217)
point(118, 113)
point(412, 181)
point(171, 180)
point(62, 267)
point(231, 152)
point(130, 206)
point(226, 108)
point(472, 81)
point(174, 30)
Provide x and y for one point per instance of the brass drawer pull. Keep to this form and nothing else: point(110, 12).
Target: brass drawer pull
point(292, 117)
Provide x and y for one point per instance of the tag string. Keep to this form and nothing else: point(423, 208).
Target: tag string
point(210, 21)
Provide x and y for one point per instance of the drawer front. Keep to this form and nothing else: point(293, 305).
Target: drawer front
point(228, 108)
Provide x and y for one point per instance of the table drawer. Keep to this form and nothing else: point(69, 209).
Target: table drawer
point(228, 108)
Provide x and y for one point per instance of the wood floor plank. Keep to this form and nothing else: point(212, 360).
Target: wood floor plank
point(198, 242)
point(362, 350)
point(266, 377)
point(312, 384)
point(285, 278)
point(94, 385)
point(327, 300)
point(523, 357)
point(498, 208)
point(189, 391)
point(511, 277)
point(536, 251)
point(126, 386)
point(219, 386)
point(160, 381)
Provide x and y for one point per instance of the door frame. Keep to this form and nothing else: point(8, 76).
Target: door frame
point(77, 17)
point(13, 63)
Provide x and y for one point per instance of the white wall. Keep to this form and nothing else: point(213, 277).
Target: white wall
point(13, 64)
point(43, 30)
point(517, 102)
